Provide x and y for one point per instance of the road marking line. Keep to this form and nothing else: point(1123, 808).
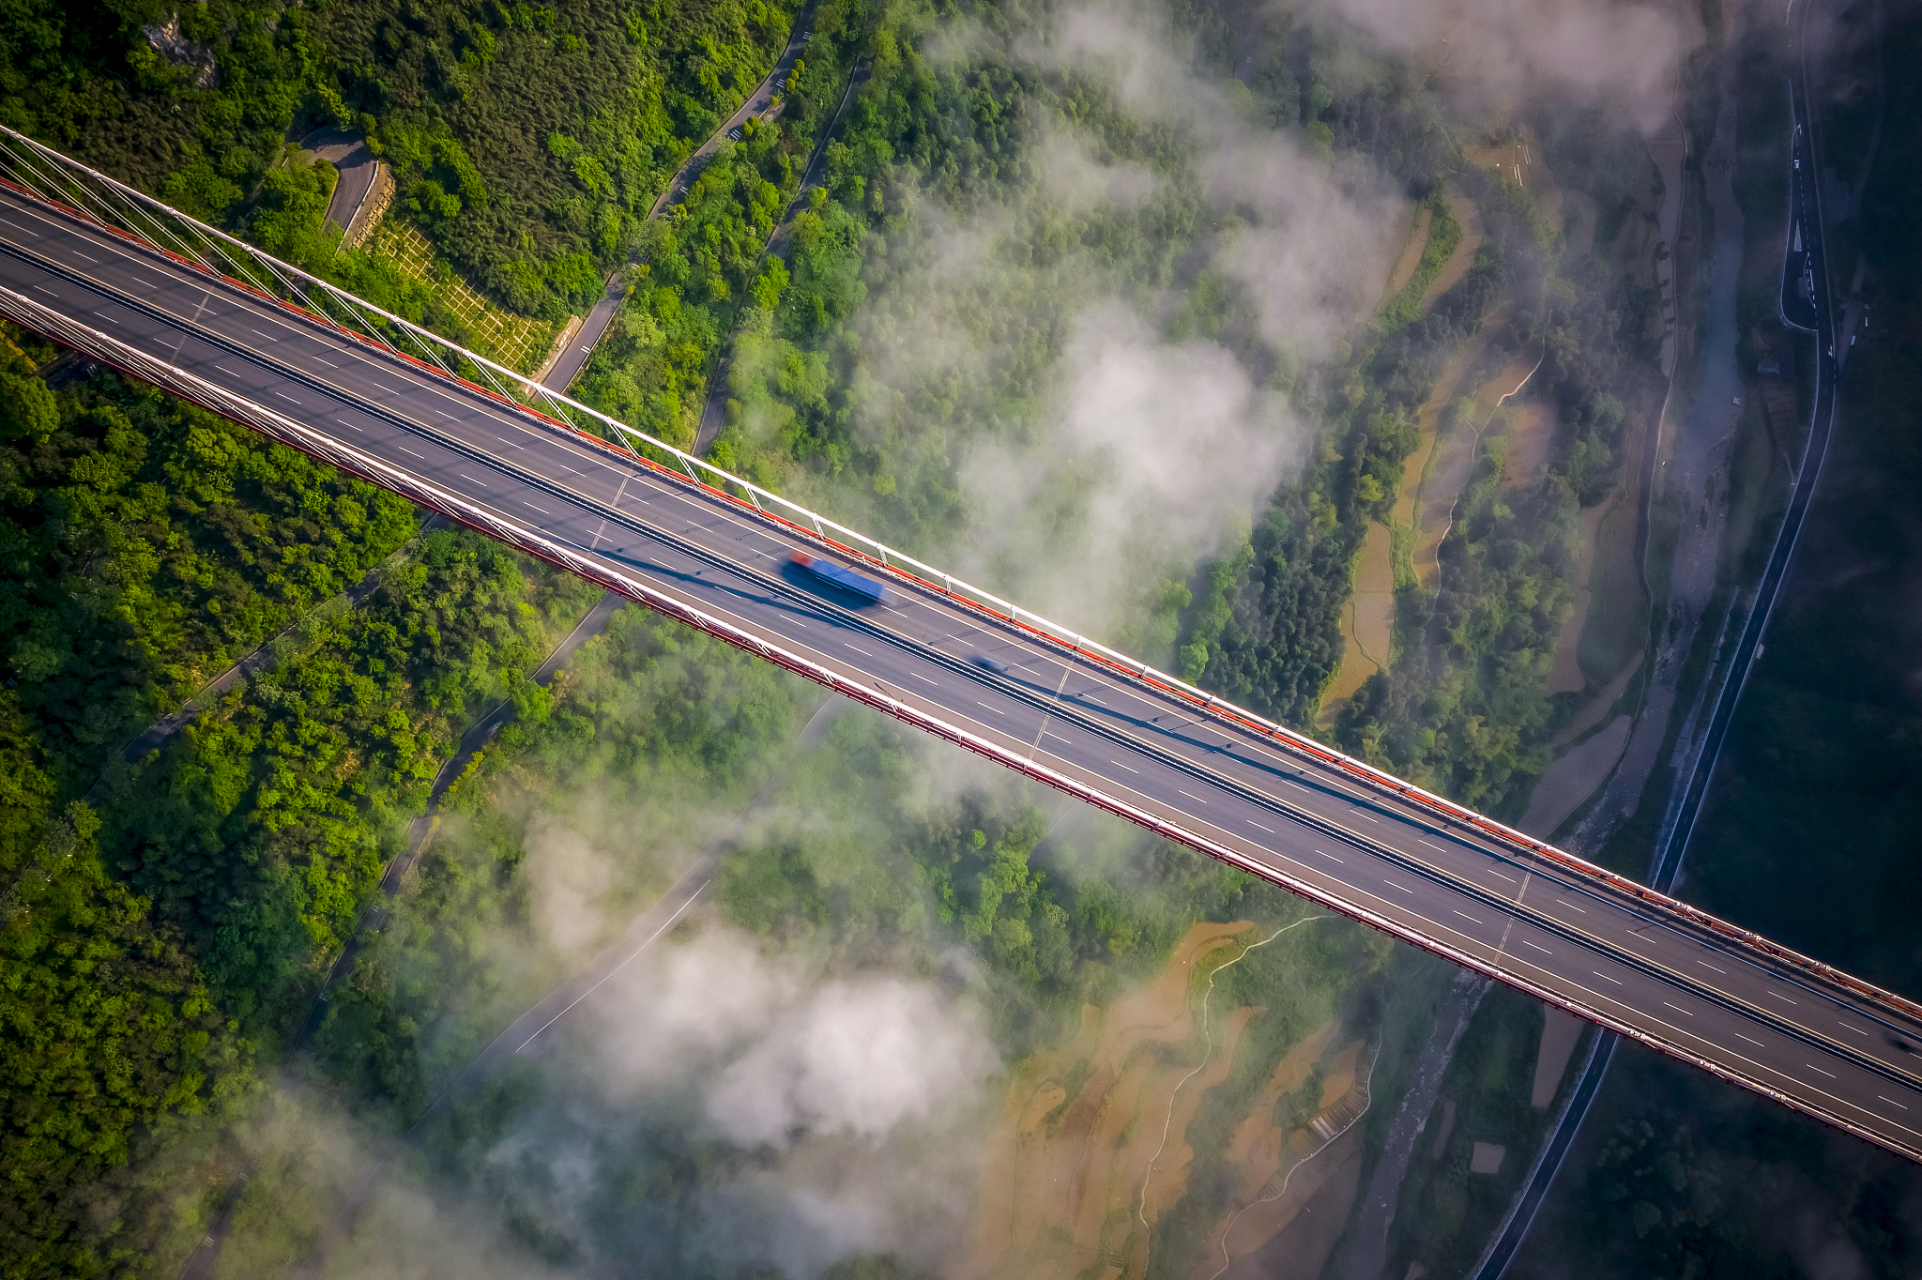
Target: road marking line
point(1251, 822)
point(1431, 844)
point(389, 390)
point(1784, 999)
point(1371, 817)
point(43, 288)
point(104, 316)
point(1117, 764)
point(1331, 857)
point(329, 363)
point(1678, 1008)
point(269, 337)
point(1812, 1067)
point(1706, 965)
point(483, 484)
point(543, 510)
point(284, 396)
point(84, 257)
point(1857, 1030)
point(1192, 796)
point(1598, 973)
point(1571, 906)
point(924, 680)
point(1385, 880)
point(1091, 698)
point(1544, 950)
point(863, 652)
point(1891, 1101)
point(17, 227)
point(410, 453)
point(595, 545)
point(1049, 733)
point(997, 710)
point(1498, 875)
point(343, 422)
point(1464, 915)
point(450, 417)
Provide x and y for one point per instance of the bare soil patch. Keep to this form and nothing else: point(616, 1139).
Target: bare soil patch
point(1411, 253)
point(1560, 1032)
point(1574, 778)
point(1368, 620)
point(1530, 433)
point(1565, 675)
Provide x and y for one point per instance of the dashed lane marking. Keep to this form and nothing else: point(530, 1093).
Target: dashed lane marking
point(104, 316)
point(1192, 796)
point(531, 507)
point(1464, 915)
point(1812, 1067)
point(343, 422)
point(17, 227)
point(1390, 883)
point(1706, 965)
point(1784, 999)
point(474, 480)
point(284, 396)
point(1678, 1008)
point(1498, 875)
point(857, 648)
point(1117, 764)
point(1598, 973)
point(329, 363)
point(1757, 1043)
point(1544, 950)
point(924, 680)
point(1571, 906)
point(1251, 822)
point(1332, 858)
point(1891, 1101)
point(997, 710)
point(423, 457)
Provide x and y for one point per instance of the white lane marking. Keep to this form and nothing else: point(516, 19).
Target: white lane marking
point(1812, 1067)
point(1706, 965)
point(858, 649)
point(1891, 1101)
point(1598, 973)
point(1678, 1008)
point(1331, 857)
point(329, 363)
point(343, 422)
point(1251, 822)
point(84, 257)
point(514, 444)
point(410, 453)
point(1571, 906)
point(924, 680)
point(1544, 950)
point(1757, 1043)
point(1431, 844)
point(1390, 883)
point(1091, 698)
point(389, 390)
point(1371, 817)
point(482, 483)
point(1498, 875)
point(284, 396)
point(104, 316)
point(596, 544)
point(997, 710)
point(1464, 915)
point(1784, 999)
point(17, 227)
point(531, 507)
point(1857, 1030)
point(224, 369)
point(1117, 764)
point(1049, 733)
point(1192, 796)
point(43, 288)
point(450, 417)
point(253, 330)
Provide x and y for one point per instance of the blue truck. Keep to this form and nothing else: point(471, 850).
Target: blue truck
point(846, 579)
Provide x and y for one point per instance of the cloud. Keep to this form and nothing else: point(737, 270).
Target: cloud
point(857, 1057)
point(1500, 53)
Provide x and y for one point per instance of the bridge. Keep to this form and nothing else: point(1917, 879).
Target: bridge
point(107, 271)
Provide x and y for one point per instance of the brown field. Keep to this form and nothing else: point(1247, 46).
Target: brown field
point(1063, 1181)
point(1566, 674)
point(1368, 621)
point(1598, 707)
point(1530, 433)
point(1410, 259)
point(1463, 257)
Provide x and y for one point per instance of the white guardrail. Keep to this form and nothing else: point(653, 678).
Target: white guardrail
point(47, 175)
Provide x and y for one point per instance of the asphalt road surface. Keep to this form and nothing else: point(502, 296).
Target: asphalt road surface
point(1081, 725)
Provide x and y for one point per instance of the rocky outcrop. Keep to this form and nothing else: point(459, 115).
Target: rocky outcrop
point(182, 52)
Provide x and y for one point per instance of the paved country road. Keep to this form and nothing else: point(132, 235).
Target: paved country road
point(1322, 827)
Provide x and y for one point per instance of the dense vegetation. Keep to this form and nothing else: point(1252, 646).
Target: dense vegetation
point(528, 141)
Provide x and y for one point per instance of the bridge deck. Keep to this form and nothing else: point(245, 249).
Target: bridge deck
point(1079, 724)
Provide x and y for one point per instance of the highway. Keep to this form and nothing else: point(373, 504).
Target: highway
point(1323, 827)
